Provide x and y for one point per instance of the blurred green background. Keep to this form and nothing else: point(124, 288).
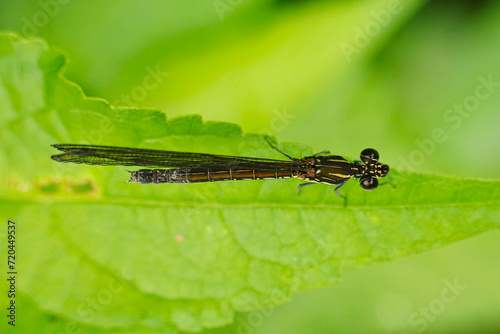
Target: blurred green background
point(407, 77)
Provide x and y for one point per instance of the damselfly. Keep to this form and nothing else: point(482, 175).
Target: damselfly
point(186, 167)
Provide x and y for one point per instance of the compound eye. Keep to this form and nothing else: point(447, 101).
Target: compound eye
point(368, 155)
point(368, 183)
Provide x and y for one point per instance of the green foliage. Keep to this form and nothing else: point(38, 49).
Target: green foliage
point(146, 258)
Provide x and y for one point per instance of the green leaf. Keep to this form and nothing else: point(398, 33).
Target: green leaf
point(99, 253)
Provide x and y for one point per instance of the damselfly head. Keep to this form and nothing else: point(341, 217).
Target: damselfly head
point(372, 169)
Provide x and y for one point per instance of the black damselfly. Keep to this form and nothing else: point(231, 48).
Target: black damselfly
point(199, 167)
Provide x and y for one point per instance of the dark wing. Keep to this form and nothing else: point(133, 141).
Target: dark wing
point(123, 156)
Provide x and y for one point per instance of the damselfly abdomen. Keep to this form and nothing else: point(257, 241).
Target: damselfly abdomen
point(183, 167)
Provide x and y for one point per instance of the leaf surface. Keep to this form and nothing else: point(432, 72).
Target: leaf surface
point(100, 253)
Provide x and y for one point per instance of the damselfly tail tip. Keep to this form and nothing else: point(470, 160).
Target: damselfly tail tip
point(133, 177)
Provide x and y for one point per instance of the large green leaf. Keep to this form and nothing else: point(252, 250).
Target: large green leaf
point(104, 255)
